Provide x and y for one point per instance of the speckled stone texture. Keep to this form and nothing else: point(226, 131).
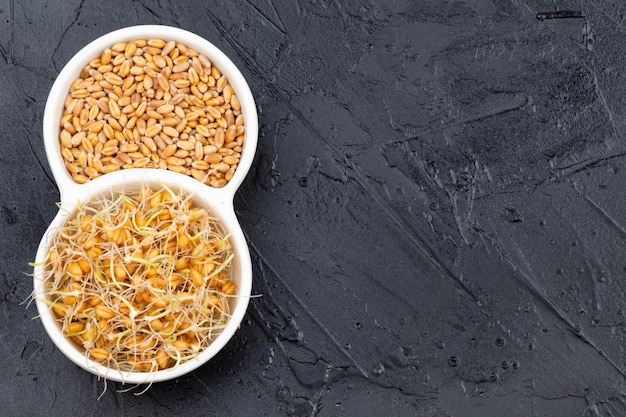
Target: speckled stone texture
point(436, 212)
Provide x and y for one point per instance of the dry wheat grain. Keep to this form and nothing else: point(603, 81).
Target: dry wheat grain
point(143, 102)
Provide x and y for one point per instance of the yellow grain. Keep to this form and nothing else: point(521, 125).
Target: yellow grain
point(229, 287)
point(103, 312)
point(156, 43)
point(74, 269)
point(75, 327)
point(99, 354)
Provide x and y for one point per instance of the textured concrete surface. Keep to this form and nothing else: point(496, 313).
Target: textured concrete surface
point(436, 211)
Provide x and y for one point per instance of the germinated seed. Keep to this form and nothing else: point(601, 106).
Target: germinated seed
point(141, 281)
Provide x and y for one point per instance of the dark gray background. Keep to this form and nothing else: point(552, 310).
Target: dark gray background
point(436, 212)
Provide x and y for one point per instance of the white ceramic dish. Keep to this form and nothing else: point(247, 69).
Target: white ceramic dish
point(219, 200)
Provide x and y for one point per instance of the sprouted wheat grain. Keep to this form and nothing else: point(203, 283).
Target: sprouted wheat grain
point(141, 280)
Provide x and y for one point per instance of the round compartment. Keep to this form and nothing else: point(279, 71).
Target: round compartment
point(130, 181)
point(55, 103)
